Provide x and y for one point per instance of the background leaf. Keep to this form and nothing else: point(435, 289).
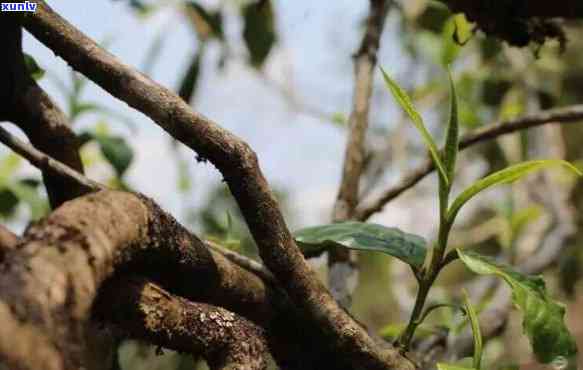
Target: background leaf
point(190, 79)
point(405, 102)
point(32, 67)
point(478, 345)
point(409, 248)
point(114, 148)
point(504, 176)
point(542, 317)
point(207, 24)
point(259, 30)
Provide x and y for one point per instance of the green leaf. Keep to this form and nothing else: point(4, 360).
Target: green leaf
point(405, 102)
point(32, 67)
point(188, 84)
point(114, 148)
point(8, 165)
point(449, 48)
point(31, 196)
point(452, 137)
point(259, 30)
point(463, 29)
point(409, 248)
point(441, 366)
point(542, 317)
point(504, 176)
point(8, 202)
point(478, 345)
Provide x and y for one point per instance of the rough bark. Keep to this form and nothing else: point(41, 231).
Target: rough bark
point(50, 282)
point(147, 311)
point(24, 103)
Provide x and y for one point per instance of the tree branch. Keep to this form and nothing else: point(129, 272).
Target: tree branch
point(240, 169)
point(51, 281)
point(30, 108)
point(571, 114)
point(147, 311)
point(341, 262)
point(53, 168)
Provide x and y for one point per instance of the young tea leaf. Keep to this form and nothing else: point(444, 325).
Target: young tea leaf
point(463, 29)
point(542, 316)
point(504, 176)
point(452, 137)
point(475, 331)
point(405, 102)
point(409, 248)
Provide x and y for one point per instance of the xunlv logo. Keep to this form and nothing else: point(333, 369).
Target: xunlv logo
point(19, 7)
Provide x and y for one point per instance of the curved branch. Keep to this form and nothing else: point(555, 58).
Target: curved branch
point(49, 283)
point(30, 108)
point(571, 114)
point(147, 311)
point(240, 169)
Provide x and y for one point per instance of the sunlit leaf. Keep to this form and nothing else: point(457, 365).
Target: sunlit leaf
point(477, 334)
point(542, 316)
point(409, 248)
point(463, 29)
point(504, 176)
point(8, 165)
point(259, 30)
point(449, 48)
point(405, 102)
point(441, 366)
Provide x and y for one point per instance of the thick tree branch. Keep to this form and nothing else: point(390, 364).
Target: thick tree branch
point(146, 311)
point(240, 169)
point(572, 114)
point(341, 262)
point(29, 107)
point(50, 282)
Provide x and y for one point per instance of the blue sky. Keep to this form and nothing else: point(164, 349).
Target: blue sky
point(298, 152)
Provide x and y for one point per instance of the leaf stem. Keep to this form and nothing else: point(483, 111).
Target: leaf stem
point(428, 276)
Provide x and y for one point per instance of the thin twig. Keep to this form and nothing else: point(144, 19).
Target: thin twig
point(243, 261)
point(46, 163)
point(571, 114)
point(342, 268)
